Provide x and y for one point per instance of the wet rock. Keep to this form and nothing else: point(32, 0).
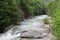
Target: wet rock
point(35, 32)
point(48, 37)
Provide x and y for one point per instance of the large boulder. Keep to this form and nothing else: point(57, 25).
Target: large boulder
point(36, 32)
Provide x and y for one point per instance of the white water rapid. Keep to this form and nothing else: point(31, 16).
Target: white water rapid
point(14, 33)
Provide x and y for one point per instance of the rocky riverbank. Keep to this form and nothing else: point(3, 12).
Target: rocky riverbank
point(30, 29)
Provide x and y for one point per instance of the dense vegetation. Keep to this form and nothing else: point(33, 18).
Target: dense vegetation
point(32, 7)
point(54, 12)
point(8, 14)
point(13, 11)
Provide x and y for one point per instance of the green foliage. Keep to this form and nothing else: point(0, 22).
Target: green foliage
point(46, 20)
point(8, 13)
point(54, 11)
point(34, 7)
point(13, 11)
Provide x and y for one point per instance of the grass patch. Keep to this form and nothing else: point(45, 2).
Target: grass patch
point(46, 20)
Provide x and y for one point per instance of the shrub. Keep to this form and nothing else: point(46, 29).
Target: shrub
point(55, 14)
point(46, 20)
point(8, 14)
point(33, 7)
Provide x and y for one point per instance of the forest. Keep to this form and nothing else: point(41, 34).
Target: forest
point(12, 12)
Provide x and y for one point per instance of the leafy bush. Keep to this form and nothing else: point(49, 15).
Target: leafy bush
point(46, 20)
point(13, 11)
point(33, 7)
point(55, 14)
point(8, 14)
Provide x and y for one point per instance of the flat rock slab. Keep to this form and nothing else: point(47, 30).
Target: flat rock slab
point(49, 37)
point(36, 29)
point(35, 32)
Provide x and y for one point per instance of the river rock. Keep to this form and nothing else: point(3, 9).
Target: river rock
point(35, 32)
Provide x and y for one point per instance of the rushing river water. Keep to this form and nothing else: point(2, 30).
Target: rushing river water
point(14, 33)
